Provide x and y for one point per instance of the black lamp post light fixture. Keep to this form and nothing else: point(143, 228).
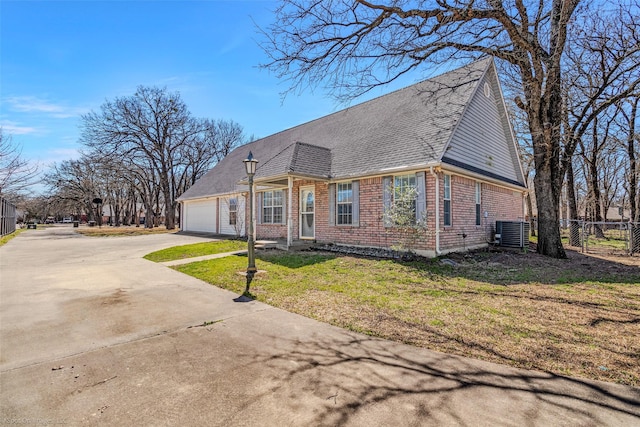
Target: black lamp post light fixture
point(250, 164)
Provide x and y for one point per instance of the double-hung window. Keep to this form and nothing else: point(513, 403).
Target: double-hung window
point(478, 199)
point(404, 195)
point(272, 207)
point(233, 211)
point(447, 200)
point(344, 203)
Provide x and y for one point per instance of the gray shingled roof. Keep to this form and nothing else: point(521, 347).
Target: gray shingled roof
point(299, 159)
point(407, 127)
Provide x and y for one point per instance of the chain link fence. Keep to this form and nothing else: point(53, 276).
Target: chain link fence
point(634, 232)
point(599, 237)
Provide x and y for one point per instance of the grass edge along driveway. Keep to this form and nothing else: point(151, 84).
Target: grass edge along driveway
point(519, 309)
point(195, 250)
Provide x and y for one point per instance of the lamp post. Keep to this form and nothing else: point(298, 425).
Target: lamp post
point(98, 202)
point(250, 164)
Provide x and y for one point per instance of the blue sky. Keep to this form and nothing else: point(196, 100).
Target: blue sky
point(61, 59)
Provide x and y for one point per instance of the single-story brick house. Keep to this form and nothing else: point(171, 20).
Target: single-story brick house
point(331, 179)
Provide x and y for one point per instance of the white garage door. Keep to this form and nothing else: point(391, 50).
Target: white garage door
point(200, 216)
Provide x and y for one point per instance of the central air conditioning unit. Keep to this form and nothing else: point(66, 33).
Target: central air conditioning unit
point(513, 234)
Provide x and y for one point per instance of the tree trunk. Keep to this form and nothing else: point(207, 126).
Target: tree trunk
point(532, 220)
point(169, 204)
point(544, 113)
point(634, 198)
point(169, 212)
point(545, 121)
point(549, 241)
point(594, 189)
point(548, 185)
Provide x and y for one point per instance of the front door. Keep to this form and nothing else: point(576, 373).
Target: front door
point(307, 208)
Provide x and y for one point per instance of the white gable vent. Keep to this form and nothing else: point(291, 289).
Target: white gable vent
point(487, 89)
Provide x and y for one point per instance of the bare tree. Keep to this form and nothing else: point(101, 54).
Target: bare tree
point(355, 45)
point(216, 139)
point(591, 151)
point(632, 139)
point(34, 208)
point(16, 173)
point(223, 136)
point(73, 184)
point(603, 69)
point(163, 147)
point(152, 125)
point(612, 178)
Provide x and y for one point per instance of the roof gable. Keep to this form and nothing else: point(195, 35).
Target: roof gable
point(483, 141)
point(311, 160)
point(298, 159)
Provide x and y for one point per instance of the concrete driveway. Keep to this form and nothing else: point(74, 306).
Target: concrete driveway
point(91, 333)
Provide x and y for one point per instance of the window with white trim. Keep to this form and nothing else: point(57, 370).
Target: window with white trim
point(233, 211)
point(344, 203)
point(478, 199)
point(272, 207)
point(447, 200)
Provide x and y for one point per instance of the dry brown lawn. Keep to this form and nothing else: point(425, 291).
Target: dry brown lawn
point(577, 317)
point(125, 230)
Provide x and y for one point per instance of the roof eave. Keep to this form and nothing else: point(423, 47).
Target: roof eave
point(387, 171)
point(278, 177)
point(480, 177)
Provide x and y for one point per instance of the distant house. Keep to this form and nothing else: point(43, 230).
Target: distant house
point(331, 179)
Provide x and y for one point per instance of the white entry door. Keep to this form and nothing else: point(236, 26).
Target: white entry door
point(307, 208)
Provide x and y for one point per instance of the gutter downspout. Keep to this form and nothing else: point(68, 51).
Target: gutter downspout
point(289, 211)
point(435, 175)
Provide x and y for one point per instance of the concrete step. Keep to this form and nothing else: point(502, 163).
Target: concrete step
point(266, 244)
point(297, 245)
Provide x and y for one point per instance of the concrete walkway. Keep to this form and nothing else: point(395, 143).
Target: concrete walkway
point(91, 333)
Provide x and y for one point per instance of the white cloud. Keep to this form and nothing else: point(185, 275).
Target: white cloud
point(33, 104)
point(58, 155)
point(14, 128)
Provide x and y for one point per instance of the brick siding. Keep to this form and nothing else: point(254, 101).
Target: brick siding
point(499, 204)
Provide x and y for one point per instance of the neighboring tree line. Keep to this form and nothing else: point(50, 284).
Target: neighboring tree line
point(598, 135)
point(141, 153)
point(571, 68)
point(16, 173)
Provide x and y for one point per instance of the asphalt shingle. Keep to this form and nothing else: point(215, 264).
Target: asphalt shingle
point(410, 126)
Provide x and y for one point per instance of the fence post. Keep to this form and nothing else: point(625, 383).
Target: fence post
point(634, 232)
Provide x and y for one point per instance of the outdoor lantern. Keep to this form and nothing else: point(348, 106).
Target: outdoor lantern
point(250, 164)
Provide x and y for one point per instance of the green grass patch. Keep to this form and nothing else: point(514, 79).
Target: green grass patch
point(518, 309)
point(196, 250)
point(8, 237)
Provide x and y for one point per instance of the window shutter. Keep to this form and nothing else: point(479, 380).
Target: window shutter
point(421, 202)
point(284, 207)
point(355, 206)
point(332, 204)
point(386, 199)
point(259, 208)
